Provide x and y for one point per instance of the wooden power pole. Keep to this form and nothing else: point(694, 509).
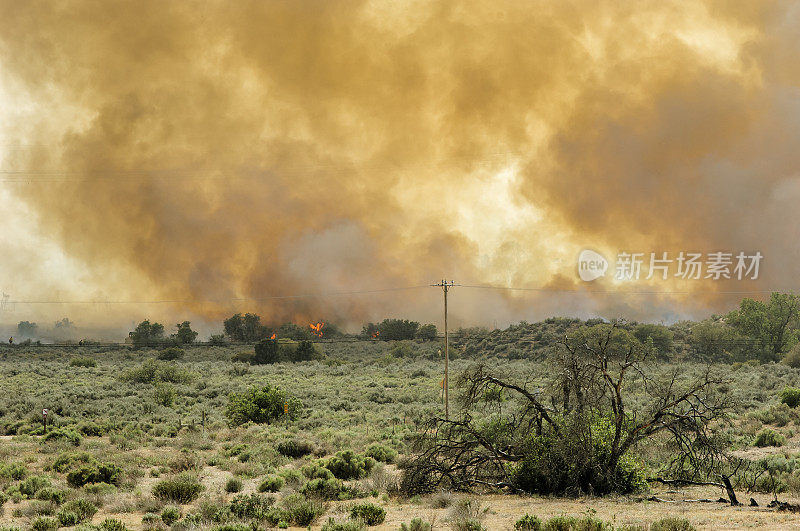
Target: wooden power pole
point(445, 284)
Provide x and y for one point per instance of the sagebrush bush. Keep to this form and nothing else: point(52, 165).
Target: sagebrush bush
point(672, 523)
point(152, 371)
point(50, 494)
point(528, 523)
point(170, 515)
point(170, 354)
point(369, 513)
point(416, 524)
point(44, 523)
point(112, 524)
point(295, 448)
point(82, 362)
point(769, 437)
point(261, 405)
point(94, 472)
point(183, 488)
point(790, 396)
point(67, 518)
point(32, 485)
point(233, 485)
point(349, 465)
point(302, 511)
point(329, 489)
point(82, 508)
point(349, 525)
point(550, 465)
point(381, 453)
point(251, 506)
point(63, 434)
point(271, 484)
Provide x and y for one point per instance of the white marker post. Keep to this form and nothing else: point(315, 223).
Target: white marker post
point(44, 419)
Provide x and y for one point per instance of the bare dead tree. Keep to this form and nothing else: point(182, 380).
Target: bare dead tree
point(579, 413)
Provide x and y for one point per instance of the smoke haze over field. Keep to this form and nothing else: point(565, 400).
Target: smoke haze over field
point(204, 152)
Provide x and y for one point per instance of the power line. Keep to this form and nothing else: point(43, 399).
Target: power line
point(231, 299)
point(620, 292)
point(402, 288)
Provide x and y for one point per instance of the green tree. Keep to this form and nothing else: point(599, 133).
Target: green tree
point(772, 325)
point(370, 331)
point(147, 334)
point(184, 333)
point(304, 351)
point(427, 332)
point(715, 341)
point(260, 405)
point(266, 352)
point(27, 329)
point(660, 335)
point(247, 327)
point(396, 329)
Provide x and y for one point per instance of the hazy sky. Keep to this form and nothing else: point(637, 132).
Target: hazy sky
point(212, 155)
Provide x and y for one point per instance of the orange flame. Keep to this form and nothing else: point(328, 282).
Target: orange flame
point(273, 336)
point(316, 328)
point(375, 334)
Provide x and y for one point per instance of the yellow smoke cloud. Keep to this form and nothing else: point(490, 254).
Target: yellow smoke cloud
point(209, 151)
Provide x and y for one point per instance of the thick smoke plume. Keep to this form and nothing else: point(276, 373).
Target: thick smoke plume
point(203, 152)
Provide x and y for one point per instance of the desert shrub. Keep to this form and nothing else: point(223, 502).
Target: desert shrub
point(549, 465)
point(790, 396)
point(350, 525)
point(92, 429)
point(183, 488)
point(292, 476)
point(67, 461)
point(316, 470)
point(271, 484)
point(303, 352)
point(256, 506)
point(295, 448)
point(152, 521)
point(170, 354)
point(416, 524)
point(528, 523)
point(164, 395)
point(170, 514)
point(94, 473)
point(32, 485)
point(15, 471)
point(792, 358)
point(349, 465)
point(329, 489)
point(232, 527)
point(381, 453)
point(302, 511)
point(769, 437)
point(233, 485)
point(217, 340)
point(50, 494)
point(369, 513)
point(152, 371)
point(672, 523)
point(67, 518)
point(112, 524)
point(261, 405)
point(82, 508)
point(63, 434)
point(44, 523)
point(82, 362)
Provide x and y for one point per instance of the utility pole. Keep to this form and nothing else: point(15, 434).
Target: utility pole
point(445, 284)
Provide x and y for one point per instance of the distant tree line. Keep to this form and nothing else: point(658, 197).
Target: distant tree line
point(398, 329)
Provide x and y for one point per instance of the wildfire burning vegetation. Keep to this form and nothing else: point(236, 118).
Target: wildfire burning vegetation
point(316, 329)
